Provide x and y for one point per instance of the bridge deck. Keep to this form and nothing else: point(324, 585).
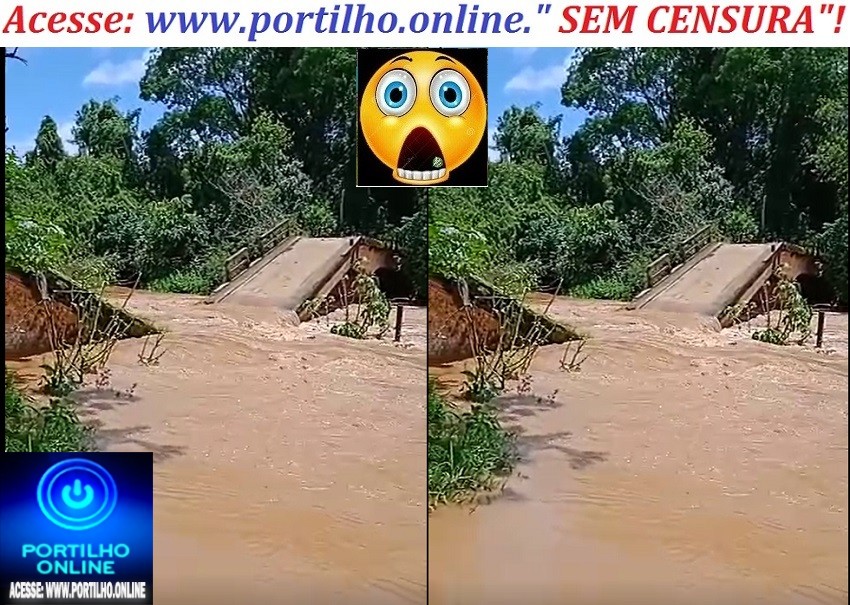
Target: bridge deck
point(288, 276)
point(717, 277)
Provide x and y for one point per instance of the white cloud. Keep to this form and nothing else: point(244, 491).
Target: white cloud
point(537, 79)
point(110, 73)
point(524, 53)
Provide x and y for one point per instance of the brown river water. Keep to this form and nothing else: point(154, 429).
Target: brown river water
point(680, 465)
point(289, 463)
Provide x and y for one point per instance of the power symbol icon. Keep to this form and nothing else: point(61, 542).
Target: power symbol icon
point(75, 500)
point(77, 494)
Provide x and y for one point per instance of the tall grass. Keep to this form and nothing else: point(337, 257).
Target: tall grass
point(52, 427)
point(468, 451)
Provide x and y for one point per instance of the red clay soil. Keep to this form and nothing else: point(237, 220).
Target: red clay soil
point(452, 327)
point(30, 320)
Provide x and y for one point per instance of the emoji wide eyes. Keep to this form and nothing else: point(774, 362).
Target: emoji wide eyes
point(450, 92)
point(396, 92)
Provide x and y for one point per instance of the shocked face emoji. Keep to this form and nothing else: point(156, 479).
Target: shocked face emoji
point(423, 114)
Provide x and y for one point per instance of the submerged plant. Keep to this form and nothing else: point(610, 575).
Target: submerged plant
point(372, 310)
point(788, 315)
point(520, 337)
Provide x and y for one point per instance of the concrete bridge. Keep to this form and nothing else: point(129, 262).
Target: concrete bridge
point(290, 269)
point(714, 276)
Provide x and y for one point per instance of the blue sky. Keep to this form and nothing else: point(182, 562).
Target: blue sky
point(57, 81)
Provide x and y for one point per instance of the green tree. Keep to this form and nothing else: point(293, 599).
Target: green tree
point(215, 95)
point(48, 150)
point(102, 130)
point(759, 106)
point(522, 135)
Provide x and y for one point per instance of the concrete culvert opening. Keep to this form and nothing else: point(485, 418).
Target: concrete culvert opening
point(815, 289)
point(367, 261)
point(394, 283)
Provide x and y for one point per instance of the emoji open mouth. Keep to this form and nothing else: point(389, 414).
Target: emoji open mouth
point(420, 158)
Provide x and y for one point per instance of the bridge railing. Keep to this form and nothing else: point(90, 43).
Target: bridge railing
point(693, 244)
point(658, 269)
point(663, 266)
point(240, 260)
point(237, 263)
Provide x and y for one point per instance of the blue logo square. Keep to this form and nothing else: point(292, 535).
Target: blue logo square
point(77, 528)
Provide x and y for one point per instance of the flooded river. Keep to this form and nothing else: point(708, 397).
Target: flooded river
point(680, 465)
point(290, 463)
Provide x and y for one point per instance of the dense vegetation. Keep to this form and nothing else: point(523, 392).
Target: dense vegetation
point(751, 141)
point(30, 427)
point(249, 137)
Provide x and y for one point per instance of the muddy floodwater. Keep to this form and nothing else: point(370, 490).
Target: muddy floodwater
point(289, 463)
point(680, 465)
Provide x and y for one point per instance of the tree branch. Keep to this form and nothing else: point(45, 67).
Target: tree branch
point(13, 54)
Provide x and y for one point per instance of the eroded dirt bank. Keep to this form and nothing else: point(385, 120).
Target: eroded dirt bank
point(681, 465)
point(466, 319)
point(453, 327)
point(289, 462)
point(31, 325)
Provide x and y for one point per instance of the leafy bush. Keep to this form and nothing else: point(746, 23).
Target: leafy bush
point(623, 282)
point(318, 219)
point(468, 451)
point(832, 244)
point(739, 226)
point(576, 245)
point(200, 279)
point(789, 317)
point(155, 239)
point(54, 427)
point(372, 309)
point(457, 252)
point(34, 246)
